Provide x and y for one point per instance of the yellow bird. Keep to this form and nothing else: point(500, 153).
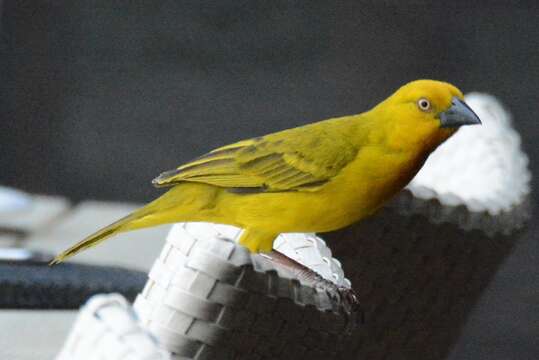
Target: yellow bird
point(313, 178)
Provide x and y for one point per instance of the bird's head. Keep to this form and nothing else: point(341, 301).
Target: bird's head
point(426, 111)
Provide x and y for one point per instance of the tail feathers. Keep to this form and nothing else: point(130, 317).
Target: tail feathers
point(124, 224)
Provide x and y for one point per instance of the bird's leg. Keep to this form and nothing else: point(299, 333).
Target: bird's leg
point(344, 295)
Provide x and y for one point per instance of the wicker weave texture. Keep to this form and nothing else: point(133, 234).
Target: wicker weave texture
point(208, 298)
point(107, 329)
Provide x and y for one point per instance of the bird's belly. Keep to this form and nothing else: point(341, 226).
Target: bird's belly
point(331, 208)
point(356, 193)
point(296, 212)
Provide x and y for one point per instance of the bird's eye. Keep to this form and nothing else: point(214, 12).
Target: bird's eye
point(423, 104)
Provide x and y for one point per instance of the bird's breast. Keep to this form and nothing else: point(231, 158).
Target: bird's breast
point(359, 190)
point(374, 177)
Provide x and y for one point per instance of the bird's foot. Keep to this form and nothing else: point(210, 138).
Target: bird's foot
point(344, 296)
point(348, 300)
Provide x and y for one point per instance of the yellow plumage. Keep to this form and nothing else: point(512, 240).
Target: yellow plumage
point(314, 178)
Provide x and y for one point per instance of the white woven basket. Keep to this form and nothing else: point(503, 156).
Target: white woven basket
point(207, 297)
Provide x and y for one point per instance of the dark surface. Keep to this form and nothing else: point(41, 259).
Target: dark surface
point(67, 286)
point(98, 98)
point(417, 280)
point(505, 322)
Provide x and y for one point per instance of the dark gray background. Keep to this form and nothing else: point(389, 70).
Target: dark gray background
point(98, 97)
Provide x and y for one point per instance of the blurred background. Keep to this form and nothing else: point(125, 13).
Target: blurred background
point(99, 97)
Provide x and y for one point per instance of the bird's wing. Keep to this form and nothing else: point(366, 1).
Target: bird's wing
point(299, 159)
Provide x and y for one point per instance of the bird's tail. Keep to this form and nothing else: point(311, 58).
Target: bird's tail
point(133, 221)
point(188, 202)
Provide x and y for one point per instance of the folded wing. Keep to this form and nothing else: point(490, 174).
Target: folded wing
point(299, 159)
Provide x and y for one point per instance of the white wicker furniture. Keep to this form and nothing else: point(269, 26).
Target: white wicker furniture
point(419, 266)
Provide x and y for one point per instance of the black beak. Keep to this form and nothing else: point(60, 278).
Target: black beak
point(458, 114)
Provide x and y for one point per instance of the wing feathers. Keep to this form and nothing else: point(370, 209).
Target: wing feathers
point(300, 159)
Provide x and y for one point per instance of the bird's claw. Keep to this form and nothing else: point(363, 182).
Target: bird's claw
point(349, 302)
point(345, 297)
